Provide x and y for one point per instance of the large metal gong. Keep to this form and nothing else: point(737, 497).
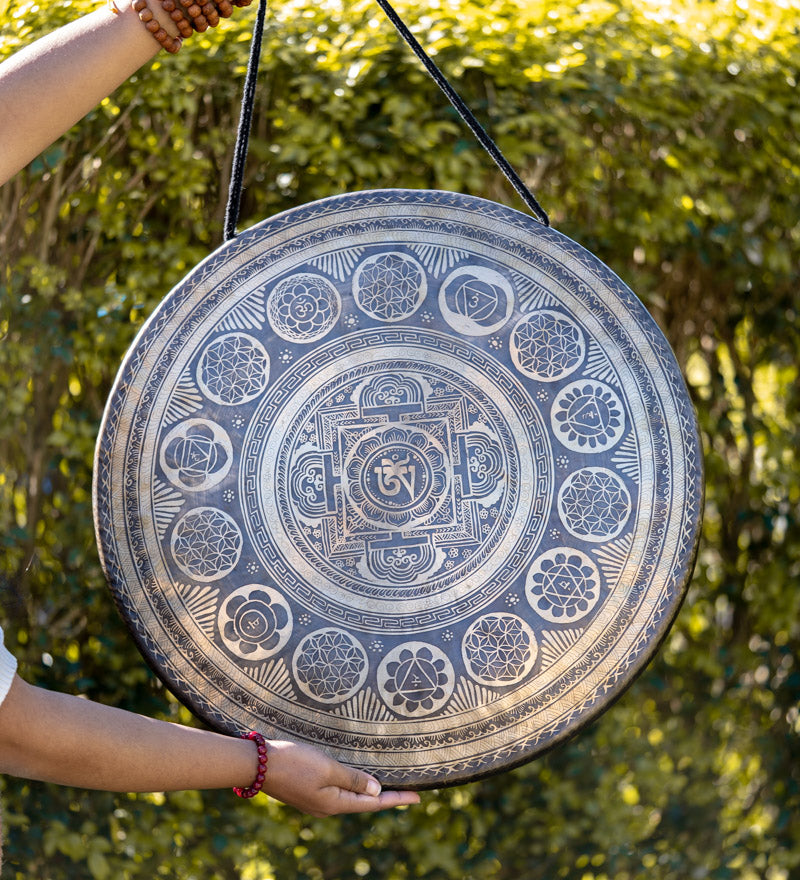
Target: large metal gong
point(404, 474)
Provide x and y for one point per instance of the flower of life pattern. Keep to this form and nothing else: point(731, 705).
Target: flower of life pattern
point(329, 665)
point(547, 346)
point(196, 455)
point(255, 622)
point(206, 544)
point(233, 369)
point(303, 307)
point(416, 679)
point(499, 649)
point(594, 504)
point(563, 585)
point(588, 417)
point(389, 286)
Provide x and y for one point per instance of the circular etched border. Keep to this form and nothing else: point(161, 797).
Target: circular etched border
point(599, 665)
point(320, 586)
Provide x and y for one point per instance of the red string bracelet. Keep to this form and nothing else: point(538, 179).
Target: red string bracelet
point(255, 788)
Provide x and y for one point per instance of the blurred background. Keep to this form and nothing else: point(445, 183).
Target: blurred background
point(660, 134)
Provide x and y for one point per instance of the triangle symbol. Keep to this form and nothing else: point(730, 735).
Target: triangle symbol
point(588, 414)
point(416, 682)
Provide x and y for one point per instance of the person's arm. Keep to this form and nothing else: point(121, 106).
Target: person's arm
point(48, 86)
point(58, 738)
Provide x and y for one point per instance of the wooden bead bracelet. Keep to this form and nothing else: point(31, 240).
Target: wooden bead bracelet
point(184, 27)
point(255, 788)
point(189, 16)
point(153, 25)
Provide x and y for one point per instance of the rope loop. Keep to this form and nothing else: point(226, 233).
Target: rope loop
point(248, 99)
point(245, 123)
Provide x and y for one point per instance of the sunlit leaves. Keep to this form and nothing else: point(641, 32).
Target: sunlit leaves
point(662, 134)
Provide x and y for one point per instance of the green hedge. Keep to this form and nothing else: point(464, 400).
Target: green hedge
point(661, 135)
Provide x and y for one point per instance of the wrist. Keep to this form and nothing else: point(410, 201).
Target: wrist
point(261, 768)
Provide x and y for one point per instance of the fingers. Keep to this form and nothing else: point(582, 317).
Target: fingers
point(359, 782)
point(361, 793)
point(389, 799)
point(305, 777)
point(349, 802)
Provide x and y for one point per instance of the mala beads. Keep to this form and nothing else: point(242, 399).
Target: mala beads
point(184, 27)
point(258, 782)
point(154, 26)
point(188, 15)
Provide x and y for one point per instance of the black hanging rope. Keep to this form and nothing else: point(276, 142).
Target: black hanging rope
point(245, 122)
point(246, 118)
point(466, 114)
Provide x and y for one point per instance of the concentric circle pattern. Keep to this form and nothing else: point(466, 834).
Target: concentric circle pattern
point(403, 474)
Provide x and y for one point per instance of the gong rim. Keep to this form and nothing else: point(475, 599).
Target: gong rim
point(178, 654)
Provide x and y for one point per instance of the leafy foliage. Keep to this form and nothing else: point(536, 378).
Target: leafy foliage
point(662, 134)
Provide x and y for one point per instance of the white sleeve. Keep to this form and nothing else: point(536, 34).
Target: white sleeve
point(8, 666)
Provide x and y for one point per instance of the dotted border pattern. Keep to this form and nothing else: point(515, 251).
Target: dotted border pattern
point(115, 425)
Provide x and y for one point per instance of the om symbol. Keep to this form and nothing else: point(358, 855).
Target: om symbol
point(393, 475)
point(396, 476)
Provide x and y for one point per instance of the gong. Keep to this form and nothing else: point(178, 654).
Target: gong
point(403, 474)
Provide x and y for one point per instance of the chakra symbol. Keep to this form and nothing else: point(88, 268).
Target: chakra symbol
point(588, 417)
point(196, 455)
point(255, 622)
point(475, 300)
point(303, 307)
point(416, 679)
point(547, 346)
point(233, 369)
point(330, 665)
point(594, 504)
point(206, 544)
point(389, 286)
point(397, 476)
point(499, 649)
point(563, 585)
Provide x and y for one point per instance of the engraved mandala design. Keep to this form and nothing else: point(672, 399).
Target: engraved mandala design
point(389, 286)
point(499, 649)
point(255, 622)
point(303, 307)
point(330, 665)
point(563, 585)
point(206, 544)
point(396, 476)
point(594, 504)
point(547, 346)
point(233, 369)
point(389, 477)
point(588, 417)
point(196, 454)
point(343, 487)
point(416, 679)
point(476, 300)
